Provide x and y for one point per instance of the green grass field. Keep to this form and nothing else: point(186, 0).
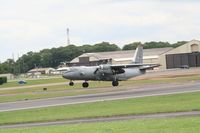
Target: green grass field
point(167, 103)
point(169, 125)
point(34, 82)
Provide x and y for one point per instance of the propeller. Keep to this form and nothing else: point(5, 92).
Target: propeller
point(96, 70)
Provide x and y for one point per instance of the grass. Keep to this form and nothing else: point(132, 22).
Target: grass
point(167, 103)
point(169, 125)
point(34, 82)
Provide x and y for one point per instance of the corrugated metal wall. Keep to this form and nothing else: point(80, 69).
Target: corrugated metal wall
point(179, 60)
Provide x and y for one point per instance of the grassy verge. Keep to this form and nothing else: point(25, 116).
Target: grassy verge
point(169, 125)
point(167, 103)
point(34, 82)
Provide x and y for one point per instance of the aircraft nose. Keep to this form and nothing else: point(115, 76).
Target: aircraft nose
point(67, 75)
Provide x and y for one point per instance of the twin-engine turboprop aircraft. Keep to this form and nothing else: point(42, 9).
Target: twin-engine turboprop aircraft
point(108, 72)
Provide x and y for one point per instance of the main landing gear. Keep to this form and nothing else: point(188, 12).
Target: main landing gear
point(85, 84)
point(115, 83)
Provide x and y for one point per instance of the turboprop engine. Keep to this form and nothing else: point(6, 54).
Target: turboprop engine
point(106, 69)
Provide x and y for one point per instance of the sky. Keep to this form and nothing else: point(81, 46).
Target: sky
point(32, 25)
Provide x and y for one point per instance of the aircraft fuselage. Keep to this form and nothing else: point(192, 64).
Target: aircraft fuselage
point(87, 73)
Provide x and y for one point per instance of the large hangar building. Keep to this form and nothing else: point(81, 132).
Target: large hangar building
point(187, 54)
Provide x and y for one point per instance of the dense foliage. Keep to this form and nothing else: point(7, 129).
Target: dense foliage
point(153, 44)
point(3, 80)
point(54, 56)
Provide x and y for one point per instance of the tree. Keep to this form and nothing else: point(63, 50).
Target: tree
point(152, 44)
point(105, 46)
point(179, 43)
point(7, 66)
point(131, 46)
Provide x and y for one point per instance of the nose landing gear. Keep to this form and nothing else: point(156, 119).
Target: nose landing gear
point(71, 83)
point(85, 84)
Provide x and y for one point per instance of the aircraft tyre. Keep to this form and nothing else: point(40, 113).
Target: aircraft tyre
point(71, 83)
point(115, 83)
point(85, 85)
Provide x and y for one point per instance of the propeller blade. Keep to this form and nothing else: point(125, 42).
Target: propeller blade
point(96, 70)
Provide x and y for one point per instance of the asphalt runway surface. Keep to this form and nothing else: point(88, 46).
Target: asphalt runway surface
point(146, 90)
point(106, 119)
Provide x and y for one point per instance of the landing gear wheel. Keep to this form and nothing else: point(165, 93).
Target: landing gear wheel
point(85, 84)
point(71, 83)
point(115, 83)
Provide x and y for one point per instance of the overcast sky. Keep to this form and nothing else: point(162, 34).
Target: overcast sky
point(32, 25)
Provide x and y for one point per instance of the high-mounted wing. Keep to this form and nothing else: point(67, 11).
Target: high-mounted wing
point(117, 69)
point(125, 66)
point(149, 66)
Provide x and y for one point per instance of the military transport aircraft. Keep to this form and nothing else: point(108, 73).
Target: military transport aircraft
point(108, 72)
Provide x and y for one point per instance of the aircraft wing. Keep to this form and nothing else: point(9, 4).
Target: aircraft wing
point(125, 66)
point(140, 66)
point(118, 69)
point(150, 66)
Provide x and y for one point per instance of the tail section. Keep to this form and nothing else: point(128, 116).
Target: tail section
point(138, 56)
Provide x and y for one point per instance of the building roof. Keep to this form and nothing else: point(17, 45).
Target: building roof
point(184, 48)
point(122, 55)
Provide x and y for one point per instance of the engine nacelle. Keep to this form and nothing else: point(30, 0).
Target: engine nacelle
point(105, 69)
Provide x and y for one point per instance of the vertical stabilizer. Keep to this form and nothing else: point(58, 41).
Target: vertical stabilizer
point(138, 56)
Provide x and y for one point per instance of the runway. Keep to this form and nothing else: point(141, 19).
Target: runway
point(146, 90)
point(105, 119)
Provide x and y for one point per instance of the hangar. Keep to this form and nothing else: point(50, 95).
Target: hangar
point(187, 54)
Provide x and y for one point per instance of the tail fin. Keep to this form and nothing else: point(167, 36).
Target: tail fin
point(138, 56)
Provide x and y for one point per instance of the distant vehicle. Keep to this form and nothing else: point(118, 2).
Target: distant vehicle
point(109, 72)
point(185, 67)
point(22, 82)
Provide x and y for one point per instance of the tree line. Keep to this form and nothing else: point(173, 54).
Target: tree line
point(54, 56)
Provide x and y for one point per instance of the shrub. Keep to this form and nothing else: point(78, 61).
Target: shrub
point(3, 80)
